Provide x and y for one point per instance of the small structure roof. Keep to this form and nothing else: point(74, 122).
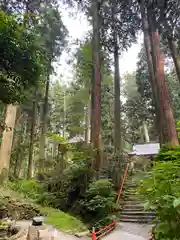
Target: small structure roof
point(76, 139)
point(146, 149)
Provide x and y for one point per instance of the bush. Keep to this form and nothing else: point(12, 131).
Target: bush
point(72, 190)
point(161, 190)
point(29, 188)
point(168, 153)
point(99, 203)
point(67, 186)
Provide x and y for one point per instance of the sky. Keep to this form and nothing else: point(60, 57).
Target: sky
point(77, 26)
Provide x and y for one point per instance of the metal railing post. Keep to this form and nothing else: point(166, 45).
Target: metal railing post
point(93, 234)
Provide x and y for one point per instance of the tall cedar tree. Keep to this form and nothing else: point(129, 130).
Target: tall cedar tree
point(96, 88)
point(168, 127)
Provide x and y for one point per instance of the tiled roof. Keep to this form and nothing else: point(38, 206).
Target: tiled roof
point(145, 149)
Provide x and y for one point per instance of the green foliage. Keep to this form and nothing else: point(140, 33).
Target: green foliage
point(143, 82)
point(72, 189)
point(67, 185)
point(21, 58)
point(59, 139)
point(168, 153)
point(99, 203)
point(15, 201)
point(53, 33)
point(178, 129)
point(28, 188)
point(174, 92)
point(138, 107)
point(161, 190)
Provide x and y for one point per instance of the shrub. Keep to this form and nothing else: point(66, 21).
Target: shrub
point(99, 203)
point(67, 186)
point(72, 190)
point(29, 188)
point(161, 190)
point(168, 153)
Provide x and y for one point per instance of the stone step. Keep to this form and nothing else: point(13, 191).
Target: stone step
point(130, 185)
point(140, 221)
point(132, 198)
point(122, 215)
point(133, 208)
point(130, 193)
point(131, 203)
point(137, 213)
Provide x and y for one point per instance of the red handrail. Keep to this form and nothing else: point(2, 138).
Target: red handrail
point(105, 227)
point(111, 226)
point(122, 185)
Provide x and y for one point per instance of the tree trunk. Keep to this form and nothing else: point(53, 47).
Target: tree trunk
point(172, 48)
point(141, 134)
point(146, 133)
point(21, 155)
point(169, 133)
point(87, 122)
point(42, 144)
point(54, 150)
point(64, 115)
point(19, 165)
point(117, 103)
point(147, 46)
point(117, 107)
point(174, 55)
point(30, 160)
point(6, 145)
point(96, 89)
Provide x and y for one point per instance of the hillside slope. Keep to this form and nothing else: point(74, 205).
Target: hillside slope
point(20, 208)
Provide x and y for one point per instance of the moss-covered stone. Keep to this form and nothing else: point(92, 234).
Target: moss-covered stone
point(17, 210)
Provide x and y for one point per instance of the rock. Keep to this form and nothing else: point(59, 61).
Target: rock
point(18, 210)
point(3, 211)
point(4, 225)
point(21, 235)
point(3, 230)
point(82, 234)
point(38, 221)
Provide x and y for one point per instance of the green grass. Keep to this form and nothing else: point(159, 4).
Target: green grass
point(62, 220)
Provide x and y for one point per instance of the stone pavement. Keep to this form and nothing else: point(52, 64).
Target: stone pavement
point(120, 235)
point(142, 230)
point(130, 231)
point(57, 235)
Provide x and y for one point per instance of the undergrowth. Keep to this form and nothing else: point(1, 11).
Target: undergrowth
point(73, 191)
point(161, 191)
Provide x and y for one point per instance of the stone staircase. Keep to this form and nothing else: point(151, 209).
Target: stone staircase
point(133, 207)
